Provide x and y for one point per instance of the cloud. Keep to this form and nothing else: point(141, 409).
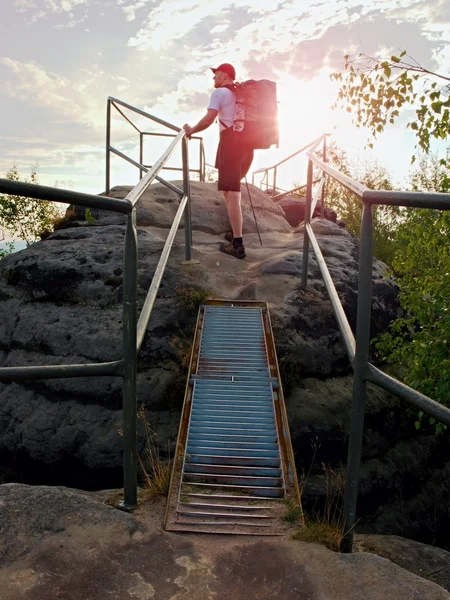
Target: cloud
point(372, 35)
point(131, 9)
point(48, 6)
point(170, 21)
point(44, 88)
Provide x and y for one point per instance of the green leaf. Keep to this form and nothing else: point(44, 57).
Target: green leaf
point(417, 425)
point(395, 59)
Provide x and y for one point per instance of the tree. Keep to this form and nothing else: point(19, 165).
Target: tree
point(375, 90)
point(349, 207)
point(420, 341)
point(25, 218)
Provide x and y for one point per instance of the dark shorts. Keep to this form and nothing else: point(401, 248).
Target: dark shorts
point(233, 161)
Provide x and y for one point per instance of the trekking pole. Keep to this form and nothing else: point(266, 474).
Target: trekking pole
point(251, 204)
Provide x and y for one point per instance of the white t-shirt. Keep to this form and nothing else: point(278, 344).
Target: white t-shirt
point(223, 100)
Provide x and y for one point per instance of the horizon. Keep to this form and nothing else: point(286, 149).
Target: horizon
point(156, 55)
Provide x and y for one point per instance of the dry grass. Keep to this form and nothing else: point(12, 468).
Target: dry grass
point(327, 534)
point(327, 526)
point(183, 349)
point(191, 298)
point(68, 215)
point(294, 512)
point(155, 471)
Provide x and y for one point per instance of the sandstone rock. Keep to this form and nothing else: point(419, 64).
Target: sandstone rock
point(62, 544)
point(60, 303)
point(294, 209)
point(425, 561)
point(405, 475)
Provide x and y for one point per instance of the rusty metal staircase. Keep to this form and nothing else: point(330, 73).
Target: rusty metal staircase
point(234, 462)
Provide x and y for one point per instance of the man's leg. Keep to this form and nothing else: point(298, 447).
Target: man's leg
point(233, 202)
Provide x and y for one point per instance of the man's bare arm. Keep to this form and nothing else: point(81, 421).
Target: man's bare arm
point(203, 124)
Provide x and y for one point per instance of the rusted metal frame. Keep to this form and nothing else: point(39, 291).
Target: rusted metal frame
point(144, 114)
point(284, 429)
point(126, 118)
point(140, 188)
point(43, 192)
point(145, 168)
point(157, 276)
point(390, 384)
point(359, 378)
point(341, 318)
point(114, 368)
point(307, 222)
point(185, 415)
point(433, 200)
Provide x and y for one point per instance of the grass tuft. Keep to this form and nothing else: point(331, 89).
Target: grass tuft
point(155, 471)
point(294, 512)
point(327, 525)
point(321, 532)
point(191, 298)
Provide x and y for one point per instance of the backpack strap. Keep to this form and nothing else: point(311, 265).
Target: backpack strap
point(232, 88)
point(223, 125)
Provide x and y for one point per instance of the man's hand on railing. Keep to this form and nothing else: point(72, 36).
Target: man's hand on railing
point(188, 131)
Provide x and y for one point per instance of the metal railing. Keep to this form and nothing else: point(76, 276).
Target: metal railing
point(143, 168)
point(278, 194)
point(358, 348)
point(133, 329)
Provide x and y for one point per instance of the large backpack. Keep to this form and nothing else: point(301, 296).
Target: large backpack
point(256, 118)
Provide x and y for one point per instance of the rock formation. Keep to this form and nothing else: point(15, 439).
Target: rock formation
point(60, 303)
point(60, 543)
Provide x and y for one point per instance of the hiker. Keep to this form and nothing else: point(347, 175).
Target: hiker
point(233, 159)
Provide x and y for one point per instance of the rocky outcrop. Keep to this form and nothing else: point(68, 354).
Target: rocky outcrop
point(405, 474)
point(60, 302)
point(295, 208)
point(57, 543)
point(425, 561)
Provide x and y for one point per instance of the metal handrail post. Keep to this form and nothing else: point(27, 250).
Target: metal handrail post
point(141, 154)
point(360, 367)
point(309, 182)
point(187, 192)
point(202, 171)
point(130, 364)
point(108, 146)
point(274, 182)
point(324, 158)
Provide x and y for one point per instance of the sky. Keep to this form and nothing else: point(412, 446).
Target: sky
point(61, 59)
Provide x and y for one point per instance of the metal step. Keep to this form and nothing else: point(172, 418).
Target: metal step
point(231, 477)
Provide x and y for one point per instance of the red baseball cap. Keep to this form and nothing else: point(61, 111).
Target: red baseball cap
point(226, 68)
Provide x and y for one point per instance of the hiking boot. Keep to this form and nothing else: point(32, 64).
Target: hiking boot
point(229, 236)
point(238, 252)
